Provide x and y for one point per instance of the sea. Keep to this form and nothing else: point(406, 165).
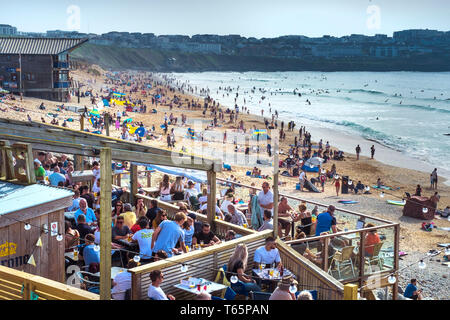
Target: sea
point(406, 112)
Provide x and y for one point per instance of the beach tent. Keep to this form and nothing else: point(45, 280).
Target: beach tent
point(95, 113)
point(309, 169)
point(118, 94)
point(262, 133)
point(315, 161)
point(414, 208)
point(106, 102)
point(194, 175)
point(141, 131)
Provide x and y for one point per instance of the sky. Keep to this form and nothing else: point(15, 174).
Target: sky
point(249, 18)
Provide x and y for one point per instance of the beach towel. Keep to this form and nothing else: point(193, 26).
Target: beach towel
point(256, 219)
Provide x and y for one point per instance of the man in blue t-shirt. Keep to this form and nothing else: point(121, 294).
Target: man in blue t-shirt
point(411, 291)
point(326, 221)
point(167, 234)
point(88, 212)
point(89, 254)
point(56, 177)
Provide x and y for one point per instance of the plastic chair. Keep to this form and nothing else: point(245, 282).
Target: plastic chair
point(259, 295)
point(229, 294)
point(342, 258)
point(375, 257)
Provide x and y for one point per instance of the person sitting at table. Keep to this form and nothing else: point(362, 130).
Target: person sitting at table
point(82, 227)
point(89, 255)
point(205, 236)
point(120, 231)
point(204, 210)
point(268, 221)
point(203, 296)
point(230, 235)
point(190, 191)
point(371, 239)
point(86, 211)
point(122, 281)
point(140, 209)
point(144, 238)
point(267, 255)
point(237, 266)
point(282, 291)
point(71, 237)
point(325, 222)
point(305, 219)
point(305, 295)
point(164, 189)
point(228, 200)
point(160, 217)
point(284, 215)
point(189, 230)
point(75, 201)
point(154, 290)
point(159, 255)
point(118, 209)
point(129, 216)
point(237, 217)
point(183, 207)
point(167, 235)
point(152, 211)
point(136, 227)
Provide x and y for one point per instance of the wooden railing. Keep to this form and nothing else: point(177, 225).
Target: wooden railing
point(18, 285)
point(201, 263)
point(308, 275)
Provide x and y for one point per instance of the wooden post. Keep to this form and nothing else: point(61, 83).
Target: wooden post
point(362, 262)
point(31, 177)
point(275, 187)
point(82, 123)
point(325, 254)
point(396, 259)
point(78, 162)
point(105, 223)
point(211, 198)
point(106, 121)
point(350, 292)
point(9, 162)
point(133, 182)
point(149, 179)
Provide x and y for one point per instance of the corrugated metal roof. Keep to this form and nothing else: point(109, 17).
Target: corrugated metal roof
point(15, 197)
point(51, 46)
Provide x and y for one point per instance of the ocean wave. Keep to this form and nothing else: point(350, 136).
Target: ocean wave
point(367, 91)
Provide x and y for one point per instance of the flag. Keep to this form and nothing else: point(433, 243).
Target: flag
point(39, 242)
point(31, 261)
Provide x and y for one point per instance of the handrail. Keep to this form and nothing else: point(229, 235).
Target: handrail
point(198, 253)
point(48, 287)
point(341, 233)
point(310, 201)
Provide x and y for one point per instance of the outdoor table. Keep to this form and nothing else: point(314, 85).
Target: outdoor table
point(114, 272)
point(81, 176)
point(211, 286)
point(151, 191)
point(350, 237)
point(272, 281)
point(71, 256)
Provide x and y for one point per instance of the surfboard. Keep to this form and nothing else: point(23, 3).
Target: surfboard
point(395, 202)
point(348, 202)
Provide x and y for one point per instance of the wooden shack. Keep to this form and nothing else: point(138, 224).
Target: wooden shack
point(42, 207)
point(37, 67)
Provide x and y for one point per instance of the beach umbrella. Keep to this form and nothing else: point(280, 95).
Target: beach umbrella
point(95, 112)
point(140, 131)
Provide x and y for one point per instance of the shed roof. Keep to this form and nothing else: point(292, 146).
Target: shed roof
point(15, 197)
point(53, 46)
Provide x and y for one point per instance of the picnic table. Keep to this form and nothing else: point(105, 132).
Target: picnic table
point(151, 191)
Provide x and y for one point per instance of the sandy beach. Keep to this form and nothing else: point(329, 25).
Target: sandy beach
point(404, 177)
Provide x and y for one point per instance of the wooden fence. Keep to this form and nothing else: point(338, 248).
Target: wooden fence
point(310, 276)
point(18, 285)
point(201, 264)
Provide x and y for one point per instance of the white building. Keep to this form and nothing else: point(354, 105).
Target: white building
point(7, 30)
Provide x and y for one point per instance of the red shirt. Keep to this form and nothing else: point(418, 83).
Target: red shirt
point(135, 228)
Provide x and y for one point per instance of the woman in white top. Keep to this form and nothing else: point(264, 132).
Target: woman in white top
point(164, 189)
